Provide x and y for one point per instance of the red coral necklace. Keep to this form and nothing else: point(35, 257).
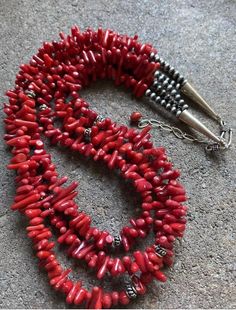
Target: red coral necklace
point(47, 89)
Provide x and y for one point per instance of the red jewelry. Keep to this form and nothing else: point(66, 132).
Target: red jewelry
point(57, 72)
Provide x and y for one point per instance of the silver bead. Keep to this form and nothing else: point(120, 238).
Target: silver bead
point(159, 88)
point(161, 78)
point(177, 86)
point(153, 96)
point(99, 118)
point(172, 82)
point(173, 109)
point(181, 102)
point(163, 102)
point(162, 62)
point(152, 55)
point(176, 75)
point(166, 83)
point(157, 73)
point(168, 106)
point(178, 112)
point(87, 134)
point(131, 291)
point(163, 93)
point(148, 92)
point(180, 79)
point(116, 241)
point(166, 67)
point(169, 87)
point(160, 251)
point(30, 93)
point(158, 99)
point(185, 106)
point(177, 97)
point(157, 58)
point(171, 71)
point(43, 107)
point(155, 83)
point(173, 92)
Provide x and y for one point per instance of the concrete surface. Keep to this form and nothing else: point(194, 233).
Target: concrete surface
point(199, 38)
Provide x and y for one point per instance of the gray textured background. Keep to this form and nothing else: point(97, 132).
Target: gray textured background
point(198, 37)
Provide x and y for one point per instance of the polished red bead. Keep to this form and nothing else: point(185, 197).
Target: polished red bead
point(135, 117)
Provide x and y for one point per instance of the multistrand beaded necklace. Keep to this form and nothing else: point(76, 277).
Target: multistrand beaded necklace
point(47, 89)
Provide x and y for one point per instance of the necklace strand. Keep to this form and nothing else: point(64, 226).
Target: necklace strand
point(47, 90)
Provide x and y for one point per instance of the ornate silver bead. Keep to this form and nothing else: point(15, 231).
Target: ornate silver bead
point(131, 291)
point(99, 118)
point(87, 134)
point(30, 93)
point(160, 251)
point(43, 107)
point(116, 241)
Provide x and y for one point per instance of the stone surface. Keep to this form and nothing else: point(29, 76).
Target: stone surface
point(199, 38)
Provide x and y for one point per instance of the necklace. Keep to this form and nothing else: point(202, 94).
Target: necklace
point(47, 90)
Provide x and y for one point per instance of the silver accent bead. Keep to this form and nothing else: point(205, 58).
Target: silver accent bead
point(176, 75)
point(116, 241)
point(181, 102)
point(157, 58)
point(158, 99)
point(172, 70)
point(152, 55)
point(153, 96)
point(157, 73)
point(160, 251)
point(131, 291)
point(169, 87)
point(180, 79)
point(30, 93)
point(161, 78)
point(161, 61)
point(166, 82)
point(173, 92)
point(166, 67)
point(163, 102)
point(173, 109)
point(87, 134)
point(168, 106)
point(155, 83)
point(177, 97)
point(99, 118)
point(148, 92)
point(178, 113)
point(185, 106)
point(43, 107)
